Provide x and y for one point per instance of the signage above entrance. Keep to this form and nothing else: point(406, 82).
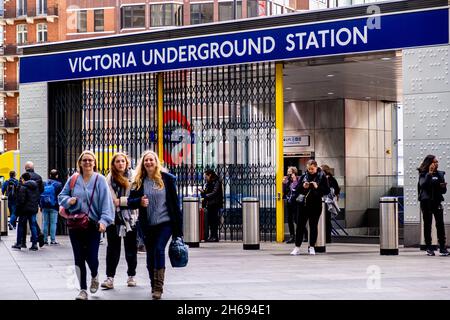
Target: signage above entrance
point(393, 31)
point(296, 141)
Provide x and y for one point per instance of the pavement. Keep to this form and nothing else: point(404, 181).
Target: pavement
point(224, 271)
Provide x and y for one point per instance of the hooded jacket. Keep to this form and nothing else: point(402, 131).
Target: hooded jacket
point(429, 186)
point(28, 196)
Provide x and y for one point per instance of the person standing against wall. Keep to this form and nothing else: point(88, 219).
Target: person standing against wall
point(213, 201)
point(335, 190)
point(154, 193)
point(431, 187)
point(290, 184)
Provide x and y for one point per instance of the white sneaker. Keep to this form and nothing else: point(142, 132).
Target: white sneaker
point(296, 251)
point(82, 295)
point(108, 283)
point(131, 282)
point(94, 285)
point(311, 251)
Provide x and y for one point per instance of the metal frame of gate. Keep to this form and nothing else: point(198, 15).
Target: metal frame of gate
point(221, 118)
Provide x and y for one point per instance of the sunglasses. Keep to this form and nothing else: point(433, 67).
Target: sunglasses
point(87, 160)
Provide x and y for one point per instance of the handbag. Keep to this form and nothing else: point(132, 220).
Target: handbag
point(178, 253)
point(80, 220)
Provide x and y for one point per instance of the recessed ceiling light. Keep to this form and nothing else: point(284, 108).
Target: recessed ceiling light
point(367, 98)
point(386, 59)
point(288, 88)
point(330, 93)
point(330, 75)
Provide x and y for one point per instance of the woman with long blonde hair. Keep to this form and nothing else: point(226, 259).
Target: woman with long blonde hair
point(154, 193)
point(119, 181)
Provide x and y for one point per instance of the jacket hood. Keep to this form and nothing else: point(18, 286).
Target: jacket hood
point(31, 184)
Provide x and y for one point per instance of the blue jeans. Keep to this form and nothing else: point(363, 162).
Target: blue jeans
point(156, 238)
point(22, 229)
point(50, 217)
point(12, 211)
point(85, 245)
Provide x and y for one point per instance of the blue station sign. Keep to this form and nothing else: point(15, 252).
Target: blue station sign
point(370, 33)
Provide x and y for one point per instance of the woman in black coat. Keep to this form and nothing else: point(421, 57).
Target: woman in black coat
point(431, 187)
point(213, 201)
point(154, 194)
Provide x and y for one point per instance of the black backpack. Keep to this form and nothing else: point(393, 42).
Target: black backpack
point(11, 190)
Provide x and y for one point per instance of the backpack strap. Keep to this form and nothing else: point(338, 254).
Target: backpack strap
point(73, 180)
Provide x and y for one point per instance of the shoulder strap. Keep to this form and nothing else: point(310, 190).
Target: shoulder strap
point(93, 191)
point(73, 180)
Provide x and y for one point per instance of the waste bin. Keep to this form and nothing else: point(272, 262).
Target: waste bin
point(389, 226)
point(4, 216)
point(191, 221)
point(321, 230)
point(434, 240)
point(250, 223)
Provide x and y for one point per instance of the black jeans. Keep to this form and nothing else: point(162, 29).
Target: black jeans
point(113, 251)
point(430, 209)
point(292, 209)
point(213, 221)
point(85, 246)
point(309, 213)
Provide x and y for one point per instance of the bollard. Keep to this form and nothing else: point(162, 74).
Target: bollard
point(250, 223)
point(4, 216)
point(191, 221)
point(434, 240)
point(388, 226)
point(321, 230)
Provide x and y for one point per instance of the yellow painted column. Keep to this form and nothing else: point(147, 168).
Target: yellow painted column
point(279, 128)
point(160, 117)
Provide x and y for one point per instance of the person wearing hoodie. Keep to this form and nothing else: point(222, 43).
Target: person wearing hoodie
point(28, 196)
point(87, 191)
point(313, 186)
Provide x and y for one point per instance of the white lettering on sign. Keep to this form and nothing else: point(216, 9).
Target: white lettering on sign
point(326, 38)
point(296, 141)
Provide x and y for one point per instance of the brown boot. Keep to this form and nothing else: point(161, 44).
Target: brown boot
point(159, 283)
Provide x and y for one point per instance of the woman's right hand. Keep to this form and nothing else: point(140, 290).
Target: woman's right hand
point(144, 201)
point(72, 201)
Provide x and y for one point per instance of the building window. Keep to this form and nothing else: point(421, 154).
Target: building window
point(99, 20)
point(133, 17)
point(252, 8)
point(82, 21)
point(170, 14)
point(202, 13)
point(226, 10)
point(21, 6)
point(41, 32)
point(22, 33)
point(41, 7)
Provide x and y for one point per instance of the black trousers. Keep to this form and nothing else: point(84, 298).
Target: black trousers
point(113, 251)
point(213, 221)
point(307, 213)
point(292, 209)
point(430, 209)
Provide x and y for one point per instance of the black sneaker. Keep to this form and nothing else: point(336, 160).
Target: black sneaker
point(34, 247)
point(41, 240)
point(54, 243)
point(16, 246)
point(444, 252)
point(430, 252)
point(291, 240)
point(10, 226)
point(23, 245)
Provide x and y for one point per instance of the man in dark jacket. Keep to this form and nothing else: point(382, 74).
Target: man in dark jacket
point(29, 167)
point(9, 189)
point(213, 201)
point(27, 207)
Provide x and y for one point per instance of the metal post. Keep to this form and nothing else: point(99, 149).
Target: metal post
point(250, 223)
point(191, 223)
point(389, 226)
point(4, 216)
point(434, 240)
point(321, 231)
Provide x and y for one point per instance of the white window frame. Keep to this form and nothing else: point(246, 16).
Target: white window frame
point(22, 35)
point(41, 32)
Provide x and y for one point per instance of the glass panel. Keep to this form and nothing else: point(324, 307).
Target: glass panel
point(82, 21)
point(226, 10)
point(202, 13)
point(133, 17)
point(99, 20)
